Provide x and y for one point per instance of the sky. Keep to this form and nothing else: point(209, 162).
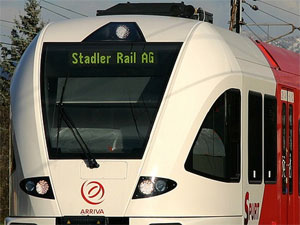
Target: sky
point(10, 9)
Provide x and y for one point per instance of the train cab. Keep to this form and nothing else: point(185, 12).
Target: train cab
point(154, 120)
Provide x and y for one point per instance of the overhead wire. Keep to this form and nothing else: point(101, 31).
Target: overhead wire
point(70, 10)
point(256, 24)
point(28, 31)
point(6, 21)
point(277, 7)
point(15, 24)
point(4, 35)
point(274, 16)
point(42, 7)
point(281, 36)
point(5, 26)
point(254, 7)
point(253, 32)
point(8, 60)
point(5, 43)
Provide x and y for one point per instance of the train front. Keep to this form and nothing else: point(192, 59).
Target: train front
point(98, 136)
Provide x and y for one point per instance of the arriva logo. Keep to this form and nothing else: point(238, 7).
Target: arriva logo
point(92, 192)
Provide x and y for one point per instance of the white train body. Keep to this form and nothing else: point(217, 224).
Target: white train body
point(210, 62)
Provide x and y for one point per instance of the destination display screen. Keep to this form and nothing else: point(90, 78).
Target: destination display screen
point(112, 57)
point(109, 59)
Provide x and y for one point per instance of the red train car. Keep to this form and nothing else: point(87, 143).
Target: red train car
point(281, 202)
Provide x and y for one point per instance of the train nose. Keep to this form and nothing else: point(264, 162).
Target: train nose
point(103, 191)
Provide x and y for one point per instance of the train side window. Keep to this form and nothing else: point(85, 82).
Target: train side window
point(254, 137)
point(270, 139)
point(284, 188)
point(216, 149)
point(291, 147)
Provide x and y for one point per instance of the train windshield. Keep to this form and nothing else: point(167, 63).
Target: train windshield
point(108, 94)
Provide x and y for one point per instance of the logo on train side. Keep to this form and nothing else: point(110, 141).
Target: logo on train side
point(92, 192)
point(251, 209)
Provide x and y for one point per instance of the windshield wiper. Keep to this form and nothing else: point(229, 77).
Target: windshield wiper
point(91, 160)
point(92, 163)
point(134, 120)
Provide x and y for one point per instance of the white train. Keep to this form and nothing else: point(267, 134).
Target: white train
point(139, 120)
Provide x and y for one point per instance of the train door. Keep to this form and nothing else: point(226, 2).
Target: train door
point(287, 155)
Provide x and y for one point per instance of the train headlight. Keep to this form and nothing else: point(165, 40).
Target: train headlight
point(30, 186)
point(146, 187)
point(153, 186)
point(42, 187)
point(38, 187)
point(122, 31)
point(161, 185)
point(117, 31)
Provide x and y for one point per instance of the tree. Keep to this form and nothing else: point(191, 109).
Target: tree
point(25, 29)
point(21, 35)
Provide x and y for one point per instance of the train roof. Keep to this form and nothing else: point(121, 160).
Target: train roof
point(285, 64)
point(154, 28)
point(238, 53)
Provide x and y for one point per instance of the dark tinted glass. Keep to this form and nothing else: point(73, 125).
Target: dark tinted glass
point(216, 150)
point(254, 137)
point(270, 139)
point(291, 161)
point(110, 91)
point(284, 172)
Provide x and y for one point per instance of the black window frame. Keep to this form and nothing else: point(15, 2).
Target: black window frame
point(230, 127)
point(270, 139)
point(139, 70)
point(255, 137)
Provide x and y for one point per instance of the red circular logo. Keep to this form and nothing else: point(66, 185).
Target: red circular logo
point(92, 192)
